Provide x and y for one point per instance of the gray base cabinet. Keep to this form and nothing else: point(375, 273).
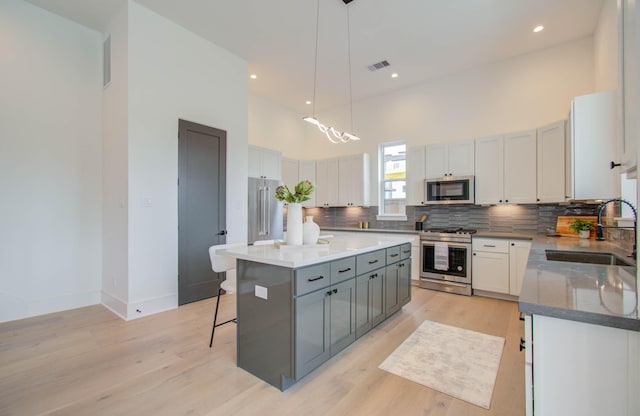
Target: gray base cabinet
point(369, 301)
point(304, 316)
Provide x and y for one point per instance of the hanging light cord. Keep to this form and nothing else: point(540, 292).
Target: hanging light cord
point(315, 64)
point(349, 62)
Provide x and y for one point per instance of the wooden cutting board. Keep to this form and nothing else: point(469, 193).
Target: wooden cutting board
point(562, 226)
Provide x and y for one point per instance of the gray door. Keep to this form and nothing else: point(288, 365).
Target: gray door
point(201, 208)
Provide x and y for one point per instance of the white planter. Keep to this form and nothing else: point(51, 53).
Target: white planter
point(294, 224)
point(585, 233)
point(310, 231)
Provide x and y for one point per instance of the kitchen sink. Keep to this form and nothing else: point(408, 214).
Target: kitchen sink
point(587, 257)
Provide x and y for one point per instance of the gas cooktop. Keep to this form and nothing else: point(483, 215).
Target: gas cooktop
point(450, 230)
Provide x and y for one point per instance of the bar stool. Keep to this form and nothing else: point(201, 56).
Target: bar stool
point(221, 263)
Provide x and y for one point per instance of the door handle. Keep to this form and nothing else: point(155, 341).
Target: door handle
point(223, 232)
point(523, 344)
point(267, 211)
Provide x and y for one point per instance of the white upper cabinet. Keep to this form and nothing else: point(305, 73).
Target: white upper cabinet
point(294, 171)
point(415, 175)
point(506, 169)
point(593, 147)
point(264, 163)
point(489, 178)
point(630, 83)
point(450, 159)
point(290, 172)
point(520, 167)
point(353, 173)
point(551, 163)
point(327, 183)
point(307, 171)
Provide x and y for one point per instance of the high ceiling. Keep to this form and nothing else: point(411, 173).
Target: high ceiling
point(421, 39)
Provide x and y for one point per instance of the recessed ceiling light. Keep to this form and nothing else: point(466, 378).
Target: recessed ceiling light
point(307, 102)
point(394, 75)
point(253, 76)
point(538, 28)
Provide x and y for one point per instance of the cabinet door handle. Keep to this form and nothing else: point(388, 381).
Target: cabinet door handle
point(328, 293)
point(344, 270)
point(406, 252)
point(373, 276)
point(315, 278)
point(489, 245)
point(373, 261)
point(523, 344)
point(394, 255)
point(474, 254)
point(335, 290)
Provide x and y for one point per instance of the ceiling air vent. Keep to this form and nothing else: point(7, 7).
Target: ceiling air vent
point(378, 65)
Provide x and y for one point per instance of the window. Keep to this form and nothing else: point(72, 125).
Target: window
point(393, 180)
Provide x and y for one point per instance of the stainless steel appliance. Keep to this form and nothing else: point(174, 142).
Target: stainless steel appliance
point(445, 260)
point(265, 211)
point(450, 190)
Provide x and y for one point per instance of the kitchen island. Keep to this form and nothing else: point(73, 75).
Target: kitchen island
point(298, 306)
point(582, 339)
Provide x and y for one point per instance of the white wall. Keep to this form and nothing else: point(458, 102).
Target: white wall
point(276, 127)
point(605, 46)
point(50, 129)
point(524, 92)
point(115, 171)
point(174, 74)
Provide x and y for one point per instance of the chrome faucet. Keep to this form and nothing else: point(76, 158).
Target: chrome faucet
point(600, 227)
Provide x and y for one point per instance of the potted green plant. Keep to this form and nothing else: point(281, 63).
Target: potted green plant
point(581, 227)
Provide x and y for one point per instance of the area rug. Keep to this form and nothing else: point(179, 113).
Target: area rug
point(455, 361)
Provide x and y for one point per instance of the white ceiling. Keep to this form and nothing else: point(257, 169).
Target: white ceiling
point(422, 39)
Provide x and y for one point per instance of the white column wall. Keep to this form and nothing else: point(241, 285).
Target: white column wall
point(50, 140)
point(174, 74)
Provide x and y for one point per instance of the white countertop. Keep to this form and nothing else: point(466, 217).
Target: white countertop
point(301, 256)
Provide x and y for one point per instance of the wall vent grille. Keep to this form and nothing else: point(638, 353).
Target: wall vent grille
point(378, 65)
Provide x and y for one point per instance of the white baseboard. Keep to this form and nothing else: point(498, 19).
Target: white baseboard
point(14, 307)
point(150, 306)
point(114, 304)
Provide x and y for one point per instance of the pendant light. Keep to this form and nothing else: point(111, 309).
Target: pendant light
point(334, 135)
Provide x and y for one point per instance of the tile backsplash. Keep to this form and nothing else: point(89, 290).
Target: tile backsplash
point(495, 218)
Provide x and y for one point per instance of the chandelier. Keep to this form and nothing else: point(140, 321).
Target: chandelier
point(333, 134)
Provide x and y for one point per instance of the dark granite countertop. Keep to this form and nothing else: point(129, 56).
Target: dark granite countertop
point(591, 293)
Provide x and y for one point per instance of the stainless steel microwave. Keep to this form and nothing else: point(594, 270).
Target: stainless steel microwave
point(450, 190)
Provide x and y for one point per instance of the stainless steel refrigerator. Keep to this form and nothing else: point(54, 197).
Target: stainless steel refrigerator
point(265, 211)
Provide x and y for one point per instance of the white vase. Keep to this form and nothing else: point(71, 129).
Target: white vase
point(294, 224)
point(585, 233)
point(310, 231)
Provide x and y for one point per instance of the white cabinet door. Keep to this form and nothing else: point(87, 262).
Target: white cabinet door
point(307, 171)
point(518, 257)
point(582, 369)
point(593, 127)
point(630, 84)
point(353, 174)
point(327, 183)
point(415, 175)
point(451, 159)
point(271, 164)
point(461, 158)
point(264, 163)
point(489, 168)
point(551, 159)
point(490, 271)
point(290, 172)
point(520, 167)
point(437, 160)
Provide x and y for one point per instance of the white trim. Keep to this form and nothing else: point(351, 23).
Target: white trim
point(114, 304)
point(151, 306)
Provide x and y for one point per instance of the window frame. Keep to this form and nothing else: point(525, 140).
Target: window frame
point(382, 215)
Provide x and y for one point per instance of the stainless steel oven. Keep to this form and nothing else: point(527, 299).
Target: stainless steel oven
point(445, 260)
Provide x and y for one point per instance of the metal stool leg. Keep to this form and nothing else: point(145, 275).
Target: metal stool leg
point(215, 318)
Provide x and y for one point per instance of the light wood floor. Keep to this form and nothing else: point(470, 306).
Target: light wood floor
point(89, 362)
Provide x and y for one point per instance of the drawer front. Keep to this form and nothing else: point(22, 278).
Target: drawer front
point(393, 254)
point(343, 269)
point(312, 278)
point(370, 261)
point(405, 251)
point(490, 245)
